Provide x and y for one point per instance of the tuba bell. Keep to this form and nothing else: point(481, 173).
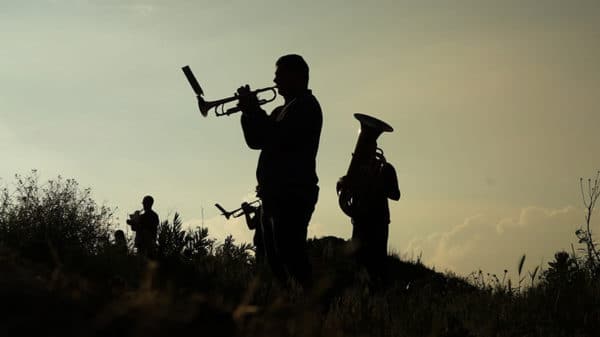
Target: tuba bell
point(366, 162)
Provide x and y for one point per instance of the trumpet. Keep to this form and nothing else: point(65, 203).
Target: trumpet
point(236, 213)
point(134, 219)
point(219, 105)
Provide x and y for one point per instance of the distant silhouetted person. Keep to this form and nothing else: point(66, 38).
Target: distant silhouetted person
point(252, 215)
point(370, 226)
point(287, 180)
point(146, 227)
point(120, 242)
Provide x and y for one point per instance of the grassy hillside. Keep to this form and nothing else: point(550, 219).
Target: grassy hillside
point(60, 275)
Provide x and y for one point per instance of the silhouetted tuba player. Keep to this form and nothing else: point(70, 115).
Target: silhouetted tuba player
point(364, 192)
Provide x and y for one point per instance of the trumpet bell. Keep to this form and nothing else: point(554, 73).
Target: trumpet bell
point(204, 106)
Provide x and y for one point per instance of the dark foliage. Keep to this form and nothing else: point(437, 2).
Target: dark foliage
point(563, 271)
point(55, 222)
point(60, 270)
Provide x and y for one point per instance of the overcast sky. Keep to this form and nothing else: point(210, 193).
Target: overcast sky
point(494, 106)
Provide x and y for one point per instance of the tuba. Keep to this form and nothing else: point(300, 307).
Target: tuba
point(367, 161)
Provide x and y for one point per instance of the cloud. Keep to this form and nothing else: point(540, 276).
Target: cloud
point(496, 244)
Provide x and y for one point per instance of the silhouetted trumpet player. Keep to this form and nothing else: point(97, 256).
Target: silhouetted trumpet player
point(288, 140)
point(364, 190)
point(252, 214)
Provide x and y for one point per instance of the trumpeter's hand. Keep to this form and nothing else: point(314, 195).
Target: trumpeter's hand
point(247, 208)
point(247, 101)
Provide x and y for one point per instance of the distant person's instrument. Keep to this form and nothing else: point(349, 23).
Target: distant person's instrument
point(205, 106)
point(236, 213)
point(367, 162)
point(134, 219)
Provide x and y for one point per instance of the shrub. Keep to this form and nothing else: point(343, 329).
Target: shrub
point(563, 271)
point(171, 238)
point(56, 221)
point(174, 242)
point(198, 244)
